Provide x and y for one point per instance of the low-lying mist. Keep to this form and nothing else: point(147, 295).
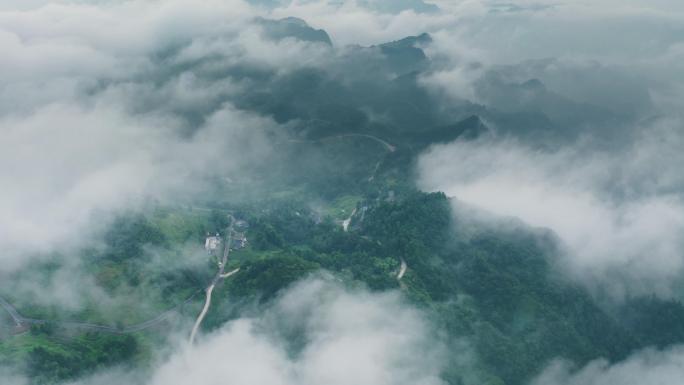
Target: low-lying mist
point(106, 106)
point(620, 213)
point(316, 332)
point(645, 367)
point(344, 337)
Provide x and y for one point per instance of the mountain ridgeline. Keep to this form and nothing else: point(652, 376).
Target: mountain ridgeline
point(339, 196)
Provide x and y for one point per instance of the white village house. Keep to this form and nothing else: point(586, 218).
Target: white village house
point(212, 243)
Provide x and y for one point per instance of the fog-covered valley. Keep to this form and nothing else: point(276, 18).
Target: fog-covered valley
point(341, 192)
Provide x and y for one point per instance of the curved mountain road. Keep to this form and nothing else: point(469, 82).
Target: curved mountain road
point(347, 222)
point(20, 320)
point(388, 146)
point(402, 270)
point(207, 303)
point(16, 317)
point(203, 313)
point(218, 277)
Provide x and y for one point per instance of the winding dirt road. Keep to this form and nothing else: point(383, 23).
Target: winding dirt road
point(20, 320)
point(16, 317)
point(207, 303)
point(218, 277)
point(346, 222)
point(199, 320)
point(388, 146)
point(402, 270)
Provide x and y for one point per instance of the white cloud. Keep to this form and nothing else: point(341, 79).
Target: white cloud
point(315, 332)
point(92, 120)
point(350, 22)
point(648, 367)
point(351, 337)
point(620, 213)
point(64, 162)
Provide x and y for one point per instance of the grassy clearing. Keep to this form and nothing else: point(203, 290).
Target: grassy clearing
point(342, 207)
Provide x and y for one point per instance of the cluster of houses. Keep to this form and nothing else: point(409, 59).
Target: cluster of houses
point(239, 237)
point(212, 243)
point(239, 241)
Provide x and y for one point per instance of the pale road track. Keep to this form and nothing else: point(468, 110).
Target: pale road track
point(375, 170)
point(200, 318)
point(346, 222)
point(228, 274)
point(219, 276)
point(207, 303)
point(16, 317)
point(388, 146)
point(20, 320)
point(402, 269)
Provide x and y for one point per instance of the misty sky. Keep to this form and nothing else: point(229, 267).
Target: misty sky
point(92, 118)
point(106, 103)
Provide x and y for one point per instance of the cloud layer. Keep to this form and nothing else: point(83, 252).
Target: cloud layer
point(104, 106)
point(350, 337)
point(646, 367)
point(620, 214)
point(105, 103)
point(586, 130)
point(315, 332)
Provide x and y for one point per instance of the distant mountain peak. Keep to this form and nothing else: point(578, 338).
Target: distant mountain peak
point(406, 55)
point(294, 20)
point(409, 41)
point(534, 84)
point(293, 27)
